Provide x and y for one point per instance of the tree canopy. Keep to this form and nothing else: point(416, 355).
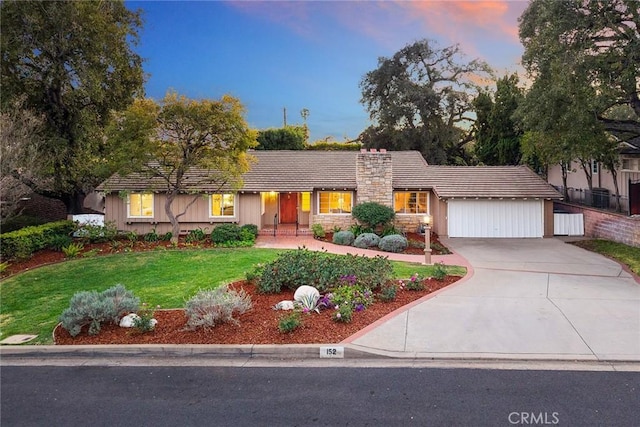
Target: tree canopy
point(167, 140)
point(286, 138)
point(73, 63)
point(421, 99)
point(497, 136)
point(597, 42)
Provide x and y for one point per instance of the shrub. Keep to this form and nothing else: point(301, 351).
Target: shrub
point(166, 236)
point(210, 307)
point(357, 297)
point(151, 236)
point(289, 322)
point(318, 231)
point(388, 291)
point(93, 308)
point(393, 243)
point(372, 214)
point(321, 270)
point(225, 233)
point(72, 250)
point(439, 271)
point(389, 230)
point(250, 228)
point(95, 233)
point(59, 241)
point(415, 283)
point(345, 238)
point(21, 244)
point(308, 303)
point(366, 240)
point(342, 314)
point(195, 236)
point(145, 321)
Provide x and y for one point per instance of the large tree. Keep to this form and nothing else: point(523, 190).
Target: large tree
point(420, 99)
point(168, 140)
point(598, 41)
point(497, 136)
point(73, 63)
point(286, 138)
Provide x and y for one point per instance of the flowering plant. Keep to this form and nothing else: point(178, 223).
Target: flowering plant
point(415, 283)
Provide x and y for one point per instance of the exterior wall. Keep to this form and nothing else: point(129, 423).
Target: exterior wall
point(197, 215)
point(374, 178)
point(329, 222)
point(248, 209)
point(607, 225)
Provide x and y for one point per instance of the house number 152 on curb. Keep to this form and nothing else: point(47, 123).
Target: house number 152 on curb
point(332, 352)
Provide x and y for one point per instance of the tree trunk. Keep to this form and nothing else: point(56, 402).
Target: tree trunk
point(175, 224)
point(564, 168)
point(74, 202)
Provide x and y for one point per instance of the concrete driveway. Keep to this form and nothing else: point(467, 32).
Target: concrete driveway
point(525, 299)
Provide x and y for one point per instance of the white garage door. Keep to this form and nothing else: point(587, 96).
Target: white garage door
point(495, 218)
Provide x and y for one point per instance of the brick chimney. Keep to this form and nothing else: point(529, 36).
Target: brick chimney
point(374, 177)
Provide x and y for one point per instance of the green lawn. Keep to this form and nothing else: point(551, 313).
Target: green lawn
point(625, 254)
point(32, 301)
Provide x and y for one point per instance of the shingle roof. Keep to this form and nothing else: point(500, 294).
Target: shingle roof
point(293, 171)
point(308, 170)
point(489, 181)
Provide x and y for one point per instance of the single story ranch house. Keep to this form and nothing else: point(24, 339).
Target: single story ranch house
point(303, 188)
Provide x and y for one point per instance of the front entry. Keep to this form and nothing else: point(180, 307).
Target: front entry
point(288, 208)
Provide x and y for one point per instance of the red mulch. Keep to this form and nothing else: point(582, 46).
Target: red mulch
point(257, 326)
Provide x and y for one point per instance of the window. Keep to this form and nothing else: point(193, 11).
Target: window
point(306, 202)
point(410, 202)
point(223, 205)
point(595, 167)
point(140, 205)
point(331, 202)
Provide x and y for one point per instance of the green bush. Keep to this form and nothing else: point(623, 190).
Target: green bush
point(72, 250)
point(289, 322)
point(321, 270)
point(94, 233)
point(210, 307)
point(21, 221)
point(343, 314)
point(388, 291)
point(393, 243)
point(372, 214)
point(250, 228)
point(439, 271)
point(60, 241)
point(345, 238)
point(318, 231)
point(93, 308)
point(21, 244)
point(366, 240)
point(196, 236)
point(225, 233)
point(151, 237)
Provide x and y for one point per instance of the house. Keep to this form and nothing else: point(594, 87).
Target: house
point(303, 188)
point(604, 190)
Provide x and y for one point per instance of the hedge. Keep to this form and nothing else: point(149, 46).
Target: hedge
point(21, 244)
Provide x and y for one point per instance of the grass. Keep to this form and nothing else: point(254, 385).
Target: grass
point(32, 301)
point(625, 254)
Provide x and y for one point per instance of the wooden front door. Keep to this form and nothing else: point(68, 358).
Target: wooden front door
point(634, 197)
point(288, 208)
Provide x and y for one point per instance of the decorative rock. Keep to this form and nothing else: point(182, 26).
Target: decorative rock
point(284, 305)
point(306, 290)
point(127, 321)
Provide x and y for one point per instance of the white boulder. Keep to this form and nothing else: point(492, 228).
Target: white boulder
point(128, 320)
point(306, 291)
point(284, 305)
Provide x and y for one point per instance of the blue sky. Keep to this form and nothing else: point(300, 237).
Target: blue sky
point(308, 54)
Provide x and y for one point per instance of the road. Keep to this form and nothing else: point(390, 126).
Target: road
point(314, 396)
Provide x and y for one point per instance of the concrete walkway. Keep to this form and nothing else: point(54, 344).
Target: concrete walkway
point(523, 299)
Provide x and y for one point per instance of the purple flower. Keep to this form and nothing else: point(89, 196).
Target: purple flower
point(359, 307)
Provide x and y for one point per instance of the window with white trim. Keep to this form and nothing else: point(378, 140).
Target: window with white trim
point(595, 167)
point(335, 202)
point(222, 205)
point(411, 202)
point(140, 205)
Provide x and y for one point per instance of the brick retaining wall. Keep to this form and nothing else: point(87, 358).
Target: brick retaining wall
point(607, 225)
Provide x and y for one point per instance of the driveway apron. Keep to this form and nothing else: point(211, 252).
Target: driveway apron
point(525, 299)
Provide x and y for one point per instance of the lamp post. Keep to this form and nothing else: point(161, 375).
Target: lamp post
point(427, 239)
